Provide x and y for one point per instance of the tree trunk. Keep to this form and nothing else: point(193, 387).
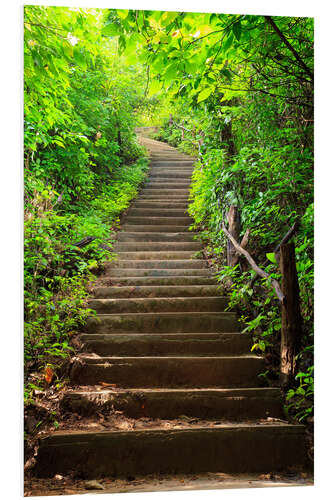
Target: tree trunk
point(291, 328)
point(234, 230)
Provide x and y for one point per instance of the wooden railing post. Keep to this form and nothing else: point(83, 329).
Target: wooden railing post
point(291, 320)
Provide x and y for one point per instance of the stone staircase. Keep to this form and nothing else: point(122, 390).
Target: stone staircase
point(162, 336)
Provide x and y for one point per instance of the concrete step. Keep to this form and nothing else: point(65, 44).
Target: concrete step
point(134, 272)
point(229, 448)
point(156, 204)
point(154, 234)
point(156, 264)
point(156, 291)
point(166, 197)
point(173, 163)
point(165, 246)
point(157, 255)
point(182, 371)
point(199, 322)
point(158, 304)
point(170, 174)
point(166, 192)
point(172, 159)
point(167, 344)
point(158, 221)
point(180, 185)
point(157, 212)
point(172, 166)
point(156, 281)
point(150, 228)
point(228, 404)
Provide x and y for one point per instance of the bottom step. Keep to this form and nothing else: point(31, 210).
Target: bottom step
point(229, 449)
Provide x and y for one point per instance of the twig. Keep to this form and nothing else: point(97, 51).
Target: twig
point(253, 264)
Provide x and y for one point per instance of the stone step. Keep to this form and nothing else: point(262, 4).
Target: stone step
point(158, 221)
point(167, 344)
point(153, 197)
point(166, 371)
point(141, 246)
point(156, 281)
point(177, 162)
point(154, 234)
point(171, 157)
point(134, 272)
point(155, 291)
point(157, 212)
point(156, 264)
point(158, 304)
point(156, 204)
point(174, 193)
point(179, 186)
point(228, 448)
point(199, 322)
point(150, 228)
point(170, 174)
point(157, 255)
point(228, 404)
point(172, 166)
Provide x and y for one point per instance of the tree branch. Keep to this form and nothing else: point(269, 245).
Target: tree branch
point(289, 46)
point(254, 266)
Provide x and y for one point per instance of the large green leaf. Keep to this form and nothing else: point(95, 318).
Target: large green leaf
point(204, 94)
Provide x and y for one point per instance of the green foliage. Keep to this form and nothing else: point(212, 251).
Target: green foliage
point(245, 102)
point(83, 166)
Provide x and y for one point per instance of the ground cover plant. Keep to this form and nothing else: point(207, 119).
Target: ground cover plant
point(82, 167)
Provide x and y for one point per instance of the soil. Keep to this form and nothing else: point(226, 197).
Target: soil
point(66, 485)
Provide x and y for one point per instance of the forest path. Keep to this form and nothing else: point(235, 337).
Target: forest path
point(166, 383)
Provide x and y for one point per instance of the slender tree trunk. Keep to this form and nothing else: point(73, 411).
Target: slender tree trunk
point(291, 328)
point(234, 230)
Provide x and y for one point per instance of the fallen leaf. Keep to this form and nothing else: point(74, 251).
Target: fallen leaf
point(106, 384)
point(48, 374)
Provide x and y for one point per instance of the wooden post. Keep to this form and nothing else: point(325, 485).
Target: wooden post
point(291, 324)
point(170, 120)
point(234, 230)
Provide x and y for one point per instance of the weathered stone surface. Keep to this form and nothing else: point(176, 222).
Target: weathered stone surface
point(159, 221)
point(158, 246)
point(158, 264)
point(158, 304)
point(158, 272)
point(199, 322)
point(227, 404)
point(157, 255)
point(118, 282)
point(217, 371)
point(156, 212)
point(232, 448)
point(156, 291)
point(173, 344)
point(154, 233)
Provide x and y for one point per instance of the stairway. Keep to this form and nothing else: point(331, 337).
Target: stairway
point(162, 336)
